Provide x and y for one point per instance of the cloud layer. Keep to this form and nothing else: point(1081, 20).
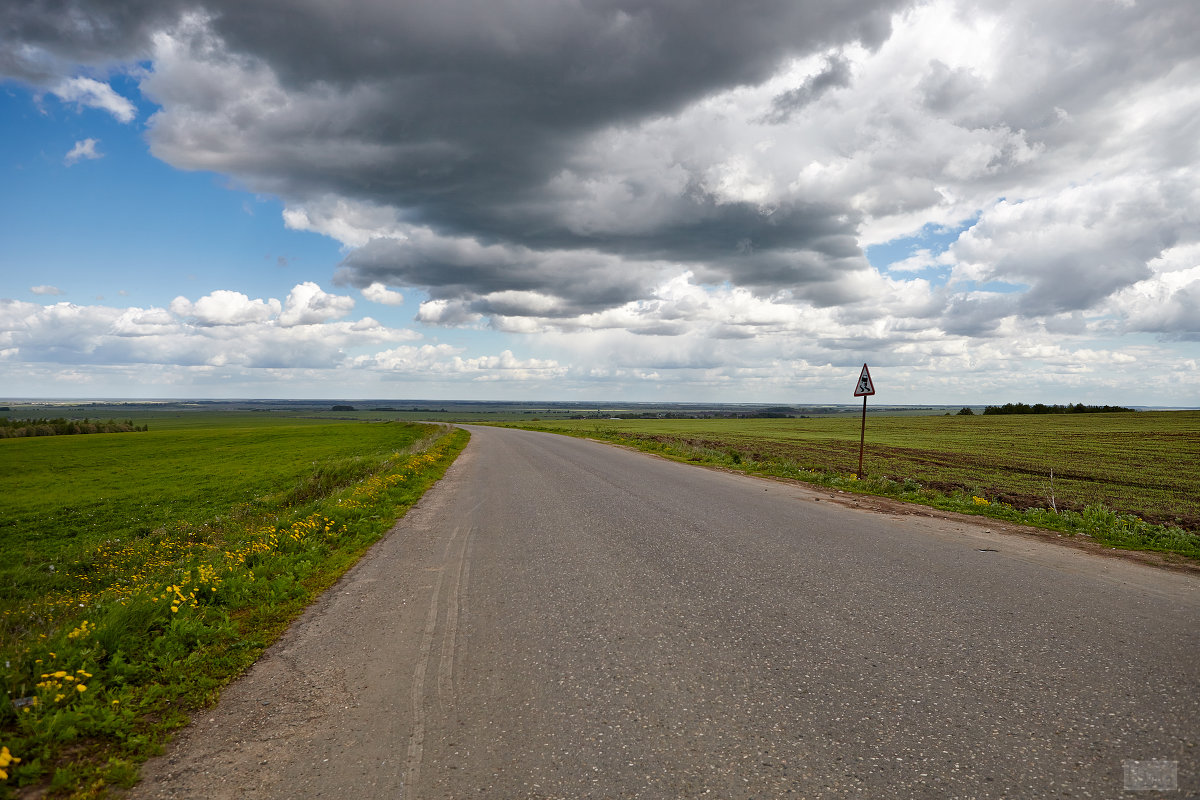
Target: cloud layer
point(676, 192)
point(229, 331)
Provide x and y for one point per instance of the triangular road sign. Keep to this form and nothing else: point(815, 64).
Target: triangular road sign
point(865, 387)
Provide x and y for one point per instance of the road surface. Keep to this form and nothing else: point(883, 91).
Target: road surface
point(565, 619)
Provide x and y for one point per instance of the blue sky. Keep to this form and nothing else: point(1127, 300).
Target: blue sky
point(127, 222)
point(193, 205)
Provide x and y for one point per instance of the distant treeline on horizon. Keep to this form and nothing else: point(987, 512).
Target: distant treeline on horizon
point(15, 428)
point(1042, 408)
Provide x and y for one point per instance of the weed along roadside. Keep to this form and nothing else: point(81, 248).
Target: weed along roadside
point(1124, 481)
point(127, 631)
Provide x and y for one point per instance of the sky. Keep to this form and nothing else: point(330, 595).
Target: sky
point(987, 201)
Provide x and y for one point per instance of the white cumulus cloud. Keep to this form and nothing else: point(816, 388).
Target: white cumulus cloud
point(308, 304)
point(83, 149)
point(225, 307)
point(94, 94)
point(221, 329)
point(379, 293)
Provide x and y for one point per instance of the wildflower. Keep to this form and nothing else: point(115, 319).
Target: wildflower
point(6, 758)
point(83, 630)
point(81, 687)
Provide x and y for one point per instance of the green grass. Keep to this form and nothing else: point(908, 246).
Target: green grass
point(65, 494)
point(152, 568)
point(1142, 469)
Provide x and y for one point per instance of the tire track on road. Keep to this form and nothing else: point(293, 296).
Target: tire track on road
point(457, 563)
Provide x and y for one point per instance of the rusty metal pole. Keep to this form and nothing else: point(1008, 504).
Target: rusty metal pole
point(862, 439)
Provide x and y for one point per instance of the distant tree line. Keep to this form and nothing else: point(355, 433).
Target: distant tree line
point(13, 428)
point(1042, 408)
point(685, 415)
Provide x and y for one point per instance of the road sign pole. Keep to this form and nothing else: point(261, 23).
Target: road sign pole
point(865, 388)
point(862, 439)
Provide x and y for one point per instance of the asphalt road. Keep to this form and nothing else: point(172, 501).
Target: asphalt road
point(564, 619)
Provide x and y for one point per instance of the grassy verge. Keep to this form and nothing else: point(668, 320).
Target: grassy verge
point(109, 636)
point(750, 447)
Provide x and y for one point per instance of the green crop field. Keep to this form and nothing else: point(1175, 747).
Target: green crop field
point(65, 494)
point(1142, 465)
point(140, 571)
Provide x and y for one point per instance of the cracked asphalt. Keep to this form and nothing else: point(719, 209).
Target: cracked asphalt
point(560, 618)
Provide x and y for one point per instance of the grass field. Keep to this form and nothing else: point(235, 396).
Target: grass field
point(140, 572)
point(66, 494)
point(1143, 466)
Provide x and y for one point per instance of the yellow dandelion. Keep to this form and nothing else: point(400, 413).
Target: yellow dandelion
point(81, 687)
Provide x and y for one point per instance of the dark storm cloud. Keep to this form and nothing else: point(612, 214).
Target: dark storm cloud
point(502, 83)
point(489, 98)
point(810, 275)
point(455, 269)
point(835, 75)
point(555, 65)
point(44, 41)
point(712, 230)
point(458, 113)
point(612, 272)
